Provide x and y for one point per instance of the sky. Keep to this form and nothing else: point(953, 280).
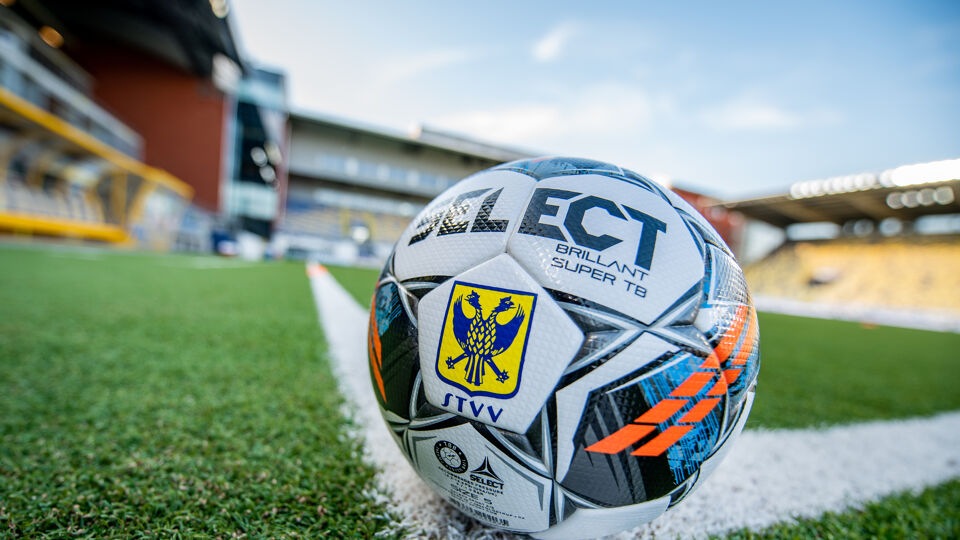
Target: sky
point(734, 99)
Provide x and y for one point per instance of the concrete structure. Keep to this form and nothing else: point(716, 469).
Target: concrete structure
point(180, 99)
point(68, 167)
point(354, 187)
point(910, 201)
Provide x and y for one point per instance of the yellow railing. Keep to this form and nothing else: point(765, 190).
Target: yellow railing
point(120, 194)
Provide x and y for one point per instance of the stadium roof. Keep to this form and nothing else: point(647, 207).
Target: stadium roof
point(905, 193)
point(424, 137)
point(467, 145)
point(186, 33)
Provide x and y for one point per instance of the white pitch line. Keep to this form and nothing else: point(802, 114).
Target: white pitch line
point(921, 319)
point(210, 263)
point(769, 476)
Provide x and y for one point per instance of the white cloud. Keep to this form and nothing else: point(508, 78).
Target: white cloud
point(549, 47)
point(399, 69)
point(515, 125)
point(750, 116)
point(755, 115)
point(598, 110)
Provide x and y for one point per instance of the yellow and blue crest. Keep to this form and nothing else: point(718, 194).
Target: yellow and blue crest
point(484, 339)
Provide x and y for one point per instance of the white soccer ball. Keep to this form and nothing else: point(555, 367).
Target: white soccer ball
point(562, 347)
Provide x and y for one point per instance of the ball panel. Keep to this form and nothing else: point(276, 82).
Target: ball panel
point(464, 226)
point(647, 431)
point(691, 385)
point(491, 344)
point(597, 522)
point(479, 479)
point(392, 345)
point(723, 448)
point(546, 167)
point(586, 393)
point(704, 228)
point(726, 284)
point(605, 240)
point(729, 321)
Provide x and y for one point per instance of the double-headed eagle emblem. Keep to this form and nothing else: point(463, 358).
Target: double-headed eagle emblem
point(483, 338)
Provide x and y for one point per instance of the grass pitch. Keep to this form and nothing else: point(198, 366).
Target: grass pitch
point(189, 396)
point(163, 396)
point(933, 513)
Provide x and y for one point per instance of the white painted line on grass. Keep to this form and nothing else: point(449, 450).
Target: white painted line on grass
point(769, 476)
point(210, 263)
point(939, 320)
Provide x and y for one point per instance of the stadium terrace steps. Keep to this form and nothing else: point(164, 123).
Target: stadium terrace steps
point(335, 223)
point(916, 272)
point(60, 211)
point(17, 197)
point(770, 476)
point(319, 221)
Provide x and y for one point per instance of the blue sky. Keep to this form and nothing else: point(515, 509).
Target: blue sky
point(735, 99)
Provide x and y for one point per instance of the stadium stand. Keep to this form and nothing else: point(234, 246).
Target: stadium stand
point(68, 202)
point(68, 166)
point(58, 180)
point(353, 187)
point(338, 223)
point(893, 240)
point(100, 99)
point(921, 272)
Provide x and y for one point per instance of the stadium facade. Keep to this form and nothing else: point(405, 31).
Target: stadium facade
point(136, 123)
point(354, 187)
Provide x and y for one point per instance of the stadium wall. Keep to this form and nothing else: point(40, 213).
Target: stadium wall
point(353, 188)
point(181, 116)
point(367, 160)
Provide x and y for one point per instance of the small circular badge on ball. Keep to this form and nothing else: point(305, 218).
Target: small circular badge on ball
point(450, 456)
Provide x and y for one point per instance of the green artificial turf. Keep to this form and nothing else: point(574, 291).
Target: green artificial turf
point(359, 282)
point(817, 372)
point(934, 513)
point(164, 396)
point(180, 396)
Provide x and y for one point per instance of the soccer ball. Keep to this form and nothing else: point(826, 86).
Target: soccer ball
point(562, 347)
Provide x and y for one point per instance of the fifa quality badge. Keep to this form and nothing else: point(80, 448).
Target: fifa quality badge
point(484, 339)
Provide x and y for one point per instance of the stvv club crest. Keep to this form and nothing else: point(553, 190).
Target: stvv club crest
point(484, 339)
